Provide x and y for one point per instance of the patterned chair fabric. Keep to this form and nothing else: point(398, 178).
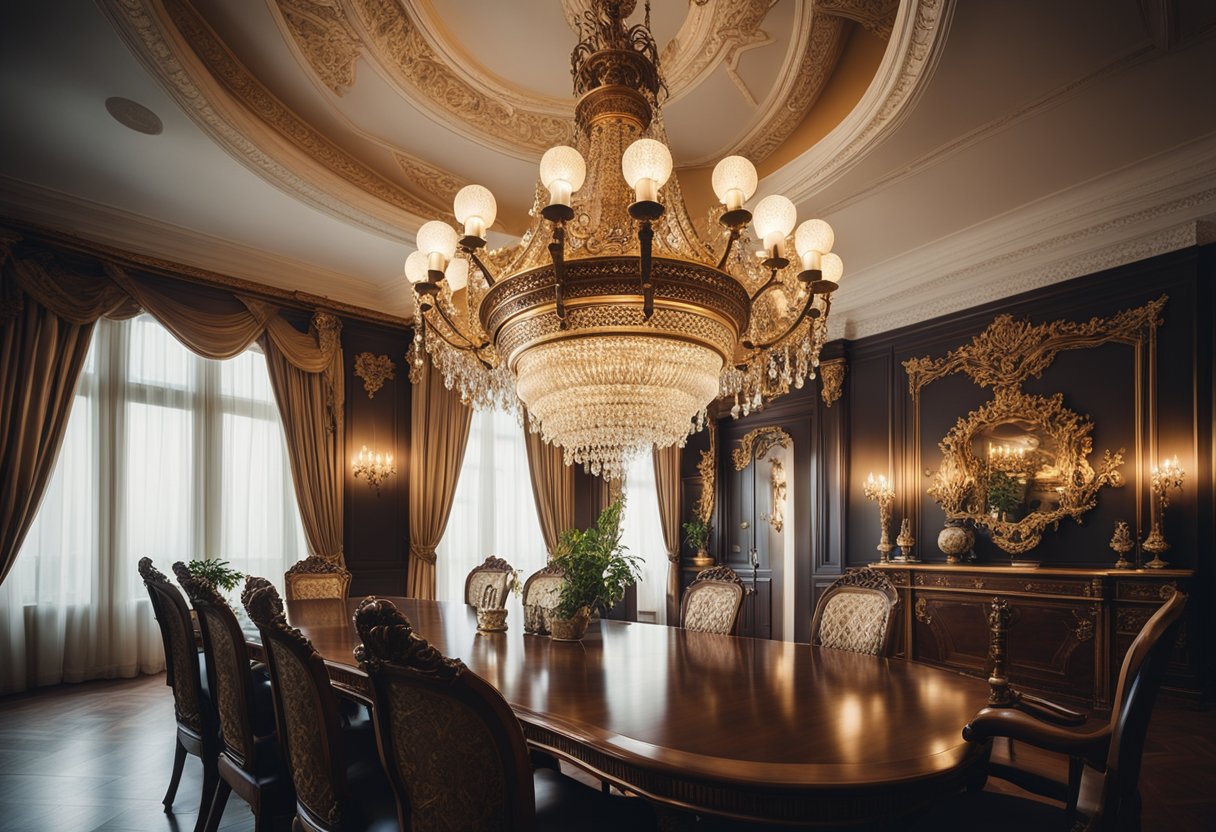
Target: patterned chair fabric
point(541, 593)
point(488, 581)
point(712, 601)
point(316, 577)
point(855, 614)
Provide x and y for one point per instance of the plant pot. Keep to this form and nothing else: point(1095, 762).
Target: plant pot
point(492, 619)
point(569, 629)
point(702, 558)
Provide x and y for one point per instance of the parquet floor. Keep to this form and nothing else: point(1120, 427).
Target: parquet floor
point(96, 758)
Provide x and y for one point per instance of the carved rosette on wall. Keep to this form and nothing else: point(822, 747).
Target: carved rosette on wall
point(374, 370)
point(1035, 445)
point(831, 380)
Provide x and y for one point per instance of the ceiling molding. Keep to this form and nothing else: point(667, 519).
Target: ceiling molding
point(110, 226)
point(917, 42)
point(1156, 206)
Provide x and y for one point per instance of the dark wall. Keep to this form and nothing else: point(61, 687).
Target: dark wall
point(377, 523)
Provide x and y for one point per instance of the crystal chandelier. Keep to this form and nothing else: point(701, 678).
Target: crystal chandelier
point(613, 322)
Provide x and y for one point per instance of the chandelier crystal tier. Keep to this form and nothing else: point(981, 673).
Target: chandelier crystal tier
point(612, 321)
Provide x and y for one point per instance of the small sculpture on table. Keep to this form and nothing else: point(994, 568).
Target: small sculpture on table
point(906, 542)
point(1122, 544)
point(1164, 479)
point(881, 492)
point(491, 612)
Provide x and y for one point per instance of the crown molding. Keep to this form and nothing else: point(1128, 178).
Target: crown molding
point(109, 226)
point(1161, 204)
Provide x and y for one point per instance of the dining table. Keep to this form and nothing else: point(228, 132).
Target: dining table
point(749, 729)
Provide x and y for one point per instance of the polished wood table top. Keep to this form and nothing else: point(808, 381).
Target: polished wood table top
point(736, 726)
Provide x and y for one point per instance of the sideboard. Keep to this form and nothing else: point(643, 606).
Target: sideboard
point(1070, 631)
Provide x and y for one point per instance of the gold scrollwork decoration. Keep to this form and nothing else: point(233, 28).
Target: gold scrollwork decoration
point(708, 469)
point(374, 370)
point(1084, 629)
point(831, 379)
point(922, 612)
point(757, 444)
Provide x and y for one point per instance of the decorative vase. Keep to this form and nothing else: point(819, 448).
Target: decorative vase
point(955, 540)
point(492, 619)
point(702, 558)
point(569, 629)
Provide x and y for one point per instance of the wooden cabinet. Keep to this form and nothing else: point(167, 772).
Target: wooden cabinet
point(1070, 631)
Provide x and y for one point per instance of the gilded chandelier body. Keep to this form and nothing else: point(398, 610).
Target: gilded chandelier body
point(613, 323)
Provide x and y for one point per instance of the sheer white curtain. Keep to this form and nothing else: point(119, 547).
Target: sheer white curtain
point(642, 533)
point(493, 511)
point(167, 455)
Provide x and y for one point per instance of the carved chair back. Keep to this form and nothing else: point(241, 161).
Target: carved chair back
point(541, 592)
point(316, 577)
point(306, 710)
point(454, 751)
point(856, 613)
point(493, 575)
point(228, 674)
point(181, 654)
point(712, 601)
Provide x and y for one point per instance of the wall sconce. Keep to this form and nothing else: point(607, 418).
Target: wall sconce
point(1167, 478)
point(375, 468)
point(882, 492)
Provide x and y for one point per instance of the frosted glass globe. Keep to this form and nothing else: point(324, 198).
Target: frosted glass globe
point(774, 219)
point(565, 164)
point(646, 159)
point(832, 267)
point(415, 267)
point(734, 173)
point(437, 237)
point(457, 274)
point(475, 202)
point(814, 235)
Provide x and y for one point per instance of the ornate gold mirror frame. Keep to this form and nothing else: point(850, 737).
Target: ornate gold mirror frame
point(1003, 357)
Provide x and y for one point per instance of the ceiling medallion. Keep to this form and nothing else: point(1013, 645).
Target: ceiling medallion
point(613, 322)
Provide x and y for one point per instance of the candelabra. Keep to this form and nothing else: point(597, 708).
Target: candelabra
point(1164, 479)
point(375, 468)
point(881, 492)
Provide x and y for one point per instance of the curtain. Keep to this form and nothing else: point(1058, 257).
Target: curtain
point(439, 425)
point(552, 487)
point(493, 512)
point(165, 454)
point(642, 534)
point(667, 487)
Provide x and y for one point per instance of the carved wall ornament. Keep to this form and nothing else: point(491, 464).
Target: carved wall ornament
point(778, 482)
point(325, 38)
point(708, 469)
point(374, 370)
point(922, 611)
point(831, 380)
point(757, 444)
point(1035, 469)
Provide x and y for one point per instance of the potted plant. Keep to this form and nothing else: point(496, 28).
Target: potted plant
point(218, 572)
point(597, 573)
point(696, 537)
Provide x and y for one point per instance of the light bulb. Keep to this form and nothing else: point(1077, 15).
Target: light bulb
point(832, 267)
point(437, 240)
point(415, 267)
point(562, 171)
point(813, 239)
point(457, 274)
point(646, 165)
point(774, 220)
point(475, 209)
point(734, 181)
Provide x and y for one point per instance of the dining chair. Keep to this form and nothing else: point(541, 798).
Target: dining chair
point(185, 673)
point(316, 577)
point(1108, 795)
point(857, 613)
point(712, 601)
point(339, 783)
point(492, 575)
point(541, 593)
point(249, 761)
point(453, 749)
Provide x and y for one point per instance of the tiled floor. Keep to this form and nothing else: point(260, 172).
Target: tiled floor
point(96, 758)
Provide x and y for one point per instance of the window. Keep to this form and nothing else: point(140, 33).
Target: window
point(642, 533)
point(166, 455)
point(493, 511)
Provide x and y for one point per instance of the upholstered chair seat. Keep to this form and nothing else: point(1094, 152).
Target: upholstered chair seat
point(712, 601)
point(488, 579)
point(856, 614)
point(316, 577)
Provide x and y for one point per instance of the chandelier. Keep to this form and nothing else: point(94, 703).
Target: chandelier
point(614, 322)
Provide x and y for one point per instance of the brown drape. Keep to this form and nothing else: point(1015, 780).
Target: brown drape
point(48, 305)
point(552, 487)
point(667, 484)
point(439, 425)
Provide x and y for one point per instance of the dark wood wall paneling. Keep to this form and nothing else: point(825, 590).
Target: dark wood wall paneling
point(377, 524)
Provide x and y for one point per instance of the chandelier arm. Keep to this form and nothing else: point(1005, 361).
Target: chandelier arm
point(475, 351)
point(806, 308)
point(470, 346)
point(768, 284)
point(646, 238)
point(730, 243)
point(490, 281)
point(557, 251)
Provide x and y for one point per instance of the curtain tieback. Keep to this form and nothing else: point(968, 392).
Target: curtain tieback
point(426, 554)
point(673, 557)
